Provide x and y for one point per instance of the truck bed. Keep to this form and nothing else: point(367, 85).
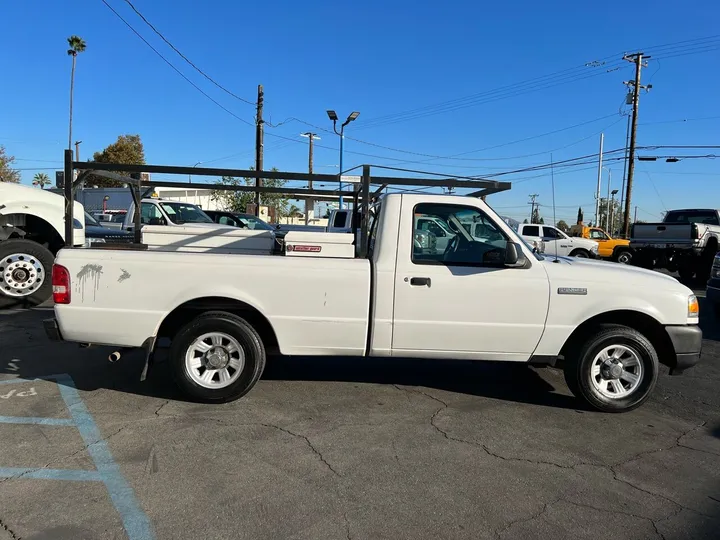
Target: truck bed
point(316, 305)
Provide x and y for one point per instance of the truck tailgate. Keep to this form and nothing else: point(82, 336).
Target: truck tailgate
point(662, 233)
point(315, 306)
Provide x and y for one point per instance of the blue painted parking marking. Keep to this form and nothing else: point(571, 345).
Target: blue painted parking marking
point(51, 474)
point(37, 421)
point(136, 523)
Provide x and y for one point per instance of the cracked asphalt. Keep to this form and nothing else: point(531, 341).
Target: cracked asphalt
point(360, 449)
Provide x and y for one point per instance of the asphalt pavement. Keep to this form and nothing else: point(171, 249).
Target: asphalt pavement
point(347, 449)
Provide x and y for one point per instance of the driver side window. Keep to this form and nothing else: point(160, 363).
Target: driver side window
point(475, 240)
point(148, 212)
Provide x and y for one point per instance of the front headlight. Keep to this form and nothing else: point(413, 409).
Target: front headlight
point(693, 307)
point(594, 248)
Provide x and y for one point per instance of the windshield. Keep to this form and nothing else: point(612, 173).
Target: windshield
point(254, 223)
point(180, 213)
point(708, 217)
point(89, 220)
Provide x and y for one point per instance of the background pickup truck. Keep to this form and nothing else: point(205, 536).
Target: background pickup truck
point(613, 249)
point(686, 241)
point(478, 298)
point(557, 242)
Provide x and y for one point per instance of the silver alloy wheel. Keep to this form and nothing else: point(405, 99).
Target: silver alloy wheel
point(21, 274)
point(616, 371)
point(214, 360)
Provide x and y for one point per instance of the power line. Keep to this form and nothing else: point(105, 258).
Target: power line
point(693, 46)
point(174, 68)
point(221, 87)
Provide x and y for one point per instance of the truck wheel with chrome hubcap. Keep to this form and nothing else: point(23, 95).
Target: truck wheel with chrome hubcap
point(25, 268)
point(614, 369)
point(217, 357)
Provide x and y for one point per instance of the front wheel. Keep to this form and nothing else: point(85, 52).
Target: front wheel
point(624, 257)
point(25, 268)
point(580, 253)
point(217, 357)
point(614, 370)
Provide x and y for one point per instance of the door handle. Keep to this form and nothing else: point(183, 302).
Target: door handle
point(420, 281)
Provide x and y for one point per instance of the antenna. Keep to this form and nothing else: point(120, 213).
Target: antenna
point(552, 179)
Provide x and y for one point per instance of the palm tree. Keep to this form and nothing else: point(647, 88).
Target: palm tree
point(77, 45)
point(41, 179)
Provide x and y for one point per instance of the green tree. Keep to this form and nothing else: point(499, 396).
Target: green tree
point(77, 45)
point(127, 150)
point(541, 221)
point(41, 180)
point(562, 226)
point(616, 216)
point(7, 173)
point(238, 201)
point(525, 221)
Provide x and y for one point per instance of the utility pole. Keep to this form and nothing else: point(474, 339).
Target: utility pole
point(309, 203)
point(625, 164)
point(259, 132)
point(637, 59)
point(77, 158)
point(599, 182)
point(635, 219)
point(532, 206)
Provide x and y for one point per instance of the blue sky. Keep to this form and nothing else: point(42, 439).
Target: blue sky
point(382, 59)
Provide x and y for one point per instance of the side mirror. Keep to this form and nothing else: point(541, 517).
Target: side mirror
point(514, 257)
point(157, 221)
point(277, 226)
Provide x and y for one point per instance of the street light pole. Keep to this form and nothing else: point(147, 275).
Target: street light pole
point(332, 115)
point(189, 175)
point(607, 201)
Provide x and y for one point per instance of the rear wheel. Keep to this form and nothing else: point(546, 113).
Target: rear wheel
point(614, 369)
point(217, 357)
point(580, 253)
point(25, 268)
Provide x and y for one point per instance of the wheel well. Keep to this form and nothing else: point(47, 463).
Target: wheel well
point(645, 324)
point(186, 312)
point(579, 249)
point(38, 230)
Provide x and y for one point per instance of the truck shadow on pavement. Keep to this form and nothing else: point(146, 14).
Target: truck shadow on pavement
point(27, 353)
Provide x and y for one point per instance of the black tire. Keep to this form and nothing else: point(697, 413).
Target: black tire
point(624, 256)
point(580, 253)
point(227, 323)
point(579, 361)
point(40, 254)
point(686, 273)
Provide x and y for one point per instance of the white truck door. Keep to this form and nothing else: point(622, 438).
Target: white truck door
point(460, 302)
point(555, 240)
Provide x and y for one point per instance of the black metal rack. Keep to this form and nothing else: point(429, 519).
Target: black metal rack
point(361, 194)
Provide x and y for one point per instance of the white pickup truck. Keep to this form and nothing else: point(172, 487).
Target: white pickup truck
point(556, 242)
point(32, 230)
point(490, 298)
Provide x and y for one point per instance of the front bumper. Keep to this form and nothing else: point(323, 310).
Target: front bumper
point(52, 330)
point(687, 343)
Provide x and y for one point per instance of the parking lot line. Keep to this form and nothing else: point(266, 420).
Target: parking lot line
point(51, 474)
point(136, 523)
point(37, 421)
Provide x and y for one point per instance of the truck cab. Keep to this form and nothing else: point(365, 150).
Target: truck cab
point(557, 242)
point(157, 211)
point(615, 249)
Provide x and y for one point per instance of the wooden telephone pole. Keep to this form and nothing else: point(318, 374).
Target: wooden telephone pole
point(310, 203)
point(638, 60)
point(259, 135)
